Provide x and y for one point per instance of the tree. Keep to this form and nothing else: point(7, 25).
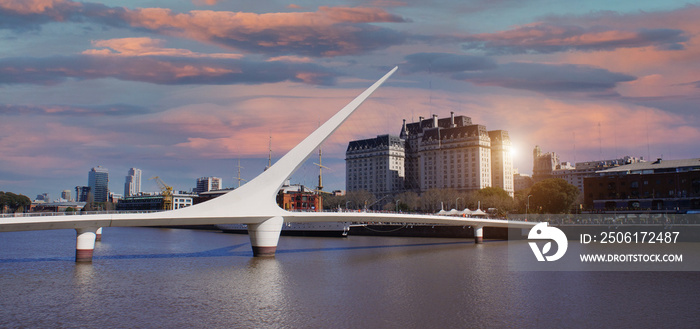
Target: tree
point(333, 202)
point(432, 199)
point(495, 197)
point(553, 195)
point(14, 202)
point(521, 200)
point(408, 201)
point(358, 199)
point(492, 191)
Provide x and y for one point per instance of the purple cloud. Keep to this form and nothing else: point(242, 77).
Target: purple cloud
point(445, 63)
point(72, 110)
point(549, 38)
point(327, 32)
point(547, 78)
point(159, 70)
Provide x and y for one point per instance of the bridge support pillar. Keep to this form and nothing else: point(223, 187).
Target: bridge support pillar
point(264, 236)
point(478, 234)
point(85, 244)
point(98, 234)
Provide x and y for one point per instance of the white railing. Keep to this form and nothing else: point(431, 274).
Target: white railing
point(63, 213)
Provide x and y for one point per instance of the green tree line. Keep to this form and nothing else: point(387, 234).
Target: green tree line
point(14, 202)
point(548, 196)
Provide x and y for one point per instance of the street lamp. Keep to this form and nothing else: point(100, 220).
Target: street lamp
point(397, 204)
point(346, 205)
point(456, 205)
point(527, 209)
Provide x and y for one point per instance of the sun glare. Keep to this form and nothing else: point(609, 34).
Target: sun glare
point(513, 151)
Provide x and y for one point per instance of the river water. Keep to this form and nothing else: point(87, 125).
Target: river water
point(178, 278)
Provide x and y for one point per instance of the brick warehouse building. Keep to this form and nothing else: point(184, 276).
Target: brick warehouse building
point(664, 186)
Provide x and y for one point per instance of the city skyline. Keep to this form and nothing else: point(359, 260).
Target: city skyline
point(184, 90)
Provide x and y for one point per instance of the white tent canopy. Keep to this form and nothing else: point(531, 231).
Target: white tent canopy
point(464, 213)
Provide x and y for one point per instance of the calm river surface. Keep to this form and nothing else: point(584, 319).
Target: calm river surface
point(177, 278)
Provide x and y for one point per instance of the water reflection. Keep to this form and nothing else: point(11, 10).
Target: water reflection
point(238, 250)
point(211, 280)
point(84, 287)
point(266, 290)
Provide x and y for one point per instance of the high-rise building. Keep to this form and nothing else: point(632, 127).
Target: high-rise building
point(375, 165)
point(206, 184)
point(521, 181)
point(65, 195)
point(43, 197)
point(98, 181)
point(547, 165)
point(82, 193)
point(455, 153)
point(543, 164)
point(501, 161)
point(132, 184)
point(575, 174)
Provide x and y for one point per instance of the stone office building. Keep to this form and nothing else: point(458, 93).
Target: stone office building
point(455, 153)
point(431, 153)
point(375, 165)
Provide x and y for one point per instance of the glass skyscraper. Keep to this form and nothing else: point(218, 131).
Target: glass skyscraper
point(98, 181)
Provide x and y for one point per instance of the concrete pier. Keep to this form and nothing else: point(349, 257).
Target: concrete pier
point(265, 236)
point(85, 244)
point(478, 234)
point(98, 234)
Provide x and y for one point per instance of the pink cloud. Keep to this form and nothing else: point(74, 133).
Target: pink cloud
point(220, 132)
point(388, 3)
point(552, 123)
point(137, 61)
point(205, 2)
point(295, 59)
point(145, 46)
point(329, 31)
point(228, 122)
point(241, 125)
point(545, 37)
point(31, 147)
point(600, 31)
point(358, 15)
point(659, 48)
point(38, 6)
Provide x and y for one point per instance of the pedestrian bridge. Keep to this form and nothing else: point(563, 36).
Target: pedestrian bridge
point(252, 204)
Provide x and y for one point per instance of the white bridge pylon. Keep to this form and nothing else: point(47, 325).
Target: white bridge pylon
point(253, 204)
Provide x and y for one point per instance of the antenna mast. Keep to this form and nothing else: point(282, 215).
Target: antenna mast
point(269, 156)
point(320, 168)
point(239, 173)
point(648, 148)
point(600, 143)
point(574, 148)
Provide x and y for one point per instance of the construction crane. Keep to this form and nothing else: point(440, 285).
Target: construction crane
point(166, 191)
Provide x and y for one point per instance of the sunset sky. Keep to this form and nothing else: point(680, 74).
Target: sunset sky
point(184, 89)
